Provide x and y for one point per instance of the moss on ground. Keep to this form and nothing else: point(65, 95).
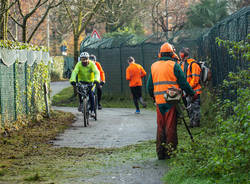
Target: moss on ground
point(27, 156)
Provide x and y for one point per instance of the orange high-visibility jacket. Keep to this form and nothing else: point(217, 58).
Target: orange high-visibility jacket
point(134, 73)
point(188, 61)
point(163, 78)
point(102, 74)
point(193, 77)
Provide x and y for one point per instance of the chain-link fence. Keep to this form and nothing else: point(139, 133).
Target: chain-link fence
point(21, 89)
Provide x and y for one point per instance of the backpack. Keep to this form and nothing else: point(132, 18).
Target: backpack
point(206, 74)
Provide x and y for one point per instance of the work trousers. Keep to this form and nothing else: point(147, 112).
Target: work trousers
point(99, 93)
point(194, 112)
point(166, 139)
point(137, 94)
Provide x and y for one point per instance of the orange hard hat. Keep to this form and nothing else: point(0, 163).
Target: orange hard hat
point(166, 47)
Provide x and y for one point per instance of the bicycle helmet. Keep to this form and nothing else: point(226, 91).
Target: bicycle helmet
point(84, 55)
point(92, 57)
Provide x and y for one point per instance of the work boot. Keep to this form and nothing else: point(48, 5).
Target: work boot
point(80, 107)
point(99, 107)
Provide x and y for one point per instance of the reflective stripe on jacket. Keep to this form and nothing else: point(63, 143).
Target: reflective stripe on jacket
point(193, 77)
point(163, 78)
point(134, 73)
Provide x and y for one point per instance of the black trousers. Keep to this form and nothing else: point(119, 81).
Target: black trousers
point(137, 94)
point(99, 93)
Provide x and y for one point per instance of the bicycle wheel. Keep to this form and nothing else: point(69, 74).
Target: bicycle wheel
point(85, 112)
point(95, 107)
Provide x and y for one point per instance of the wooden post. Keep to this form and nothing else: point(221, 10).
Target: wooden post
point(46, 99)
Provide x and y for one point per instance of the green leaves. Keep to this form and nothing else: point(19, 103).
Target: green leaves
point(207, 13)
point(20, 46)
point(236, 49)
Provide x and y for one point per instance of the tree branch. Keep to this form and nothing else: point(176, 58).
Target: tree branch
point(97, 6)
point(15, 21)
point(70, 17)
point(43, 18)
point(19, 7)
point(7, 9)
point(13, 38)
point(35, 8)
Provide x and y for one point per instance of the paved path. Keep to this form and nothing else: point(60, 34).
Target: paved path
point(56, 87)
point(115, 127)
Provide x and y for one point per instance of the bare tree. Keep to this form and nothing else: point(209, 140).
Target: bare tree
point(80, 14)
point(118, 13)
point(169, 15)
point(61, 27)
point(23, 18)
point(5, 6)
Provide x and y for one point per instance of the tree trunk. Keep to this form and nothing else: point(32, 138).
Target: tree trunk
point(4, 19)
point(24, 32)
point(76, 54)
point(166, 4)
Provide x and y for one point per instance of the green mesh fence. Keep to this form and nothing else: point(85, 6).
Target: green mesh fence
point(233, 28)
point(113, 58)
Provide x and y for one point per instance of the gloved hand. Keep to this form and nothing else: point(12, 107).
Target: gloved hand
point(102, 83)
point(73, 83)
point(96, 82)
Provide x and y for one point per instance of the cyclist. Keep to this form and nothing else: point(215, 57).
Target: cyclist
point(102, 75)
point(87, 72)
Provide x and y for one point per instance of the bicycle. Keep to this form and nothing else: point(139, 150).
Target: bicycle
point(83, 89)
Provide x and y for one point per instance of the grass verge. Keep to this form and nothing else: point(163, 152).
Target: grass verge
point(64, 98)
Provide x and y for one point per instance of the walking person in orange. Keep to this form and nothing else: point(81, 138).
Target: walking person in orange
point(192, 72)
point(164, 75)
point(102, 81)
point(184, 63)
point(134, 74)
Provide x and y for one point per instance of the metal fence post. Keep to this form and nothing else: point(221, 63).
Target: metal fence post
point(26, 88)
point(15, 91)
point(1, 101)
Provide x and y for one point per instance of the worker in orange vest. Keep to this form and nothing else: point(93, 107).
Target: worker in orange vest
point(192, 72)
point(134, 74)
point(165, 74)
point(184, 62)
point(102, 81)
